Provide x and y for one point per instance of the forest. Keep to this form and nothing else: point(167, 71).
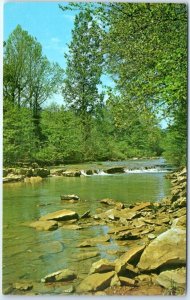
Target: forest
point(142, 47)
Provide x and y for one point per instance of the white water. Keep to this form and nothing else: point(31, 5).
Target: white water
point(128, 171)
point(101, 173)
point(83, 173)
point(151, 170)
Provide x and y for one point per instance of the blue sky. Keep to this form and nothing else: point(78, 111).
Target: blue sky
point(43, 20)
point(49, 24)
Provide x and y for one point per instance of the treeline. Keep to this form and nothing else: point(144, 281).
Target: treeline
point(142, 47)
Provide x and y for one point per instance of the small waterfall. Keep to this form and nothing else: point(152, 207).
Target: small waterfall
point(101, 173)
point(83, 173)
point(145, 170)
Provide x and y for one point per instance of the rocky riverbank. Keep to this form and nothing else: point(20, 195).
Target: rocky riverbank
point(154, 238)
point(35, 173)
point(26, 174)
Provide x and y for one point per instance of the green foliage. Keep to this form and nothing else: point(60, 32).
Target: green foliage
point(29, 78)
point(62, 133)
point(175, 140)
point(84, 69)
point(142, 46)
point(19, 141)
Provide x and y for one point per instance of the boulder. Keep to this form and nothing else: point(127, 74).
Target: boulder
point(44, 225)
point(115, 214)
point(70, 226)
point(70, 197)
point(180, 222)
point(89, 172)
point(60, 215)
point(151, 236)
point(119, 205)
point(13, 178)
point(68, 290)
point(115, 281)
point(141, 206)
point(168, 249)
point(23, 286)
point(115, 170)
point(126, 281)
point(41, 172)
point(57, 172)
point(101, 266)
point(95, 282)
point(131, 271)
point(71, 173)
point(107, 201)
point(144, 279)
point(132, 256)
point(117, 229)
point(85, 215)
point(181, 202)
point(180, 212)
point(172, 278)
point(61, 275)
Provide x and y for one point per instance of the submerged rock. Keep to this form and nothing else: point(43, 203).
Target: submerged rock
point(60, 215)
point(94, 241)
point(44, 225)
point(168, 249)
point(50, 247)
point(61, 275)
point(95, 282)
point(23, 286)
point(70, 226)
point(86, 255)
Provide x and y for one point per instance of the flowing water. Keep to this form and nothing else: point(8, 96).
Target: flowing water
point(30, 255)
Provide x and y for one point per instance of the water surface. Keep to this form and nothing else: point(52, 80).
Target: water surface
point(24, 258)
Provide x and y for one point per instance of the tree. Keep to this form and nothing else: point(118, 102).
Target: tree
point(146, 50)
point(63, 141)
point(18, 135)
point(84, 69)
point(29, 78)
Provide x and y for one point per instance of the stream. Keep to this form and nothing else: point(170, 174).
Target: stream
point(30, 255)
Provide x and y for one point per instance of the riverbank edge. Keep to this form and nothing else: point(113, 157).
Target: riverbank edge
point(35, 173)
